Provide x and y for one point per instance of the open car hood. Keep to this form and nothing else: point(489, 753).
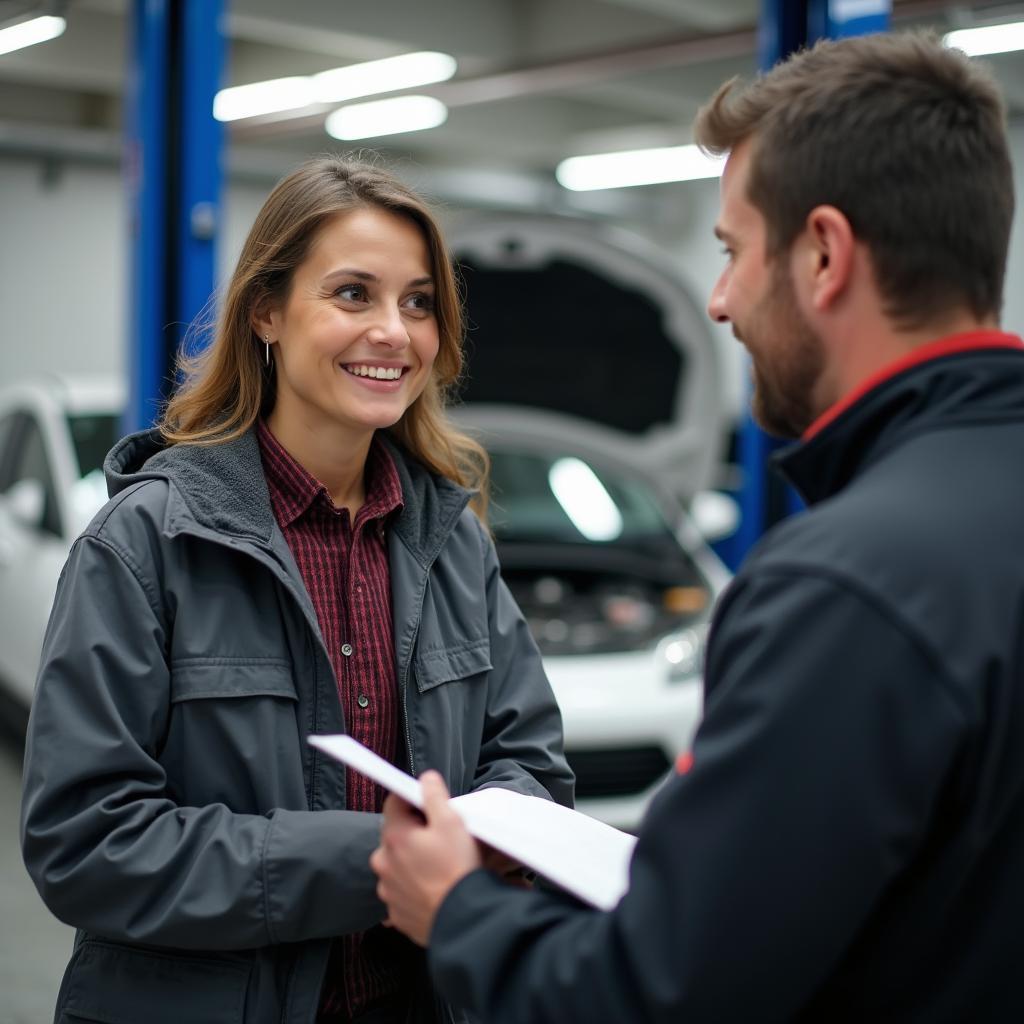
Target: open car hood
point(576, 327)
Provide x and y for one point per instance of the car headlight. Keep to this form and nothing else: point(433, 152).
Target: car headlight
point(684, 654)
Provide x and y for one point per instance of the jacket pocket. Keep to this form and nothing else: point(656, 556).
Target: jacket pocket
point(113, 984)
point(205, 678)
point(448, 664)
point(233, 735)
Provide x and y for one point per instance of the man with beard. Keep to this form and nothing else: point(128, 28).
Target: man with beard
point(846, 841)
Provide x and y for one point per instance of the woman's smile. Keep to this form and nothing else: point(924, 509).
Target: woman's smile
point(379, 377)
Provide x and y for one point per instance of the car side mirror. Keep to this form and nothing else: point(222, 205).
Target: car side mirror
point(716, 515)
point(26, 502)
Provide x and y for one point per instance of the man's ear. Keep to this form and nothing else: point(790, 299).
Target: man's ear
point(825, 257)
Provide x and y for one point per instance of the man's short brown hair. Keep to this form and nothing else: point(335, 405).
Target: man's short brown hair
point(907, 139)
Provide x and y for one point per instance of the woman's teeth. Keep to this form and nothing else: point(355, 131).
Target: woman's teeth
point(377, 372)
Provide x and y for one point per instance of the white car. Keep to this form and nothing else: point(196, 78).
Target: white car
point(617, 586)
point(595, 383)
point(54, 435)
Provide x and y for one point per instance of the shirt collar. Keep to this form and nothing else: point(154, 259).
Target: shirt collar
point(293, 489)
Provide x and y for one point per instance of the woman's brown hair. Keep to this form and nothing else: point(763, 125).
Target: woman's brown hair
point(227, 385)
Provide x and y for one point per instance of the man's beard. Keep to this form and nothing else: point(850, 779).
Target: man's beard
point(788, 359)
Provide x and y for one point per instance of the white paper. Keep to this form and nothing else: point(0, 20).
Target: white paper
point(584, 856)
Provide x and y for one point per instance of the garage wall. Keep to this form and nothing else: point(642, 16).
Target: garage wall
point(63, 270)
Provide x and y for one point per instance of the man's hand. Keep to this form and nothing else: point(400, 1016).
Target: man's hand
point(418, 862)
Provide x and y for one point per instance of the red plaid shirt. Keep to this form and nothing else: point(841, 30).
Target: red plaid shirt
point(344, 564)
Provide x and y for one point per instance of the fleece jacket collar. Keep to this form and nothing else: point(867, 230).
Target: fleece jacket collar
point(975, 386)
point(222, 488)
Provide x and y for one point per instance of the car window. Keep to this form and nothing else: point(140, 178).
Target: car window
point(563, 498)
point(7, 425)
point(589, 556)
point(92, 436)
point(32, 463)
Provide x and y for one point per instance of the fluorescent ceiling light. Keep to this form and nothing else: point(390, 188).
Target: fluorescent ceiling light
point(262, 98)
point(408, 71)
point(987, 39)
point(637, 167)
point(28, 33)
point(386, 117)
point(584, 499)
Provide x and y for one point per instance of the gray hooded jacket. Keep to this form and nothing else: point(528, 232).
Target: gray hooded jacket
point(173, 811)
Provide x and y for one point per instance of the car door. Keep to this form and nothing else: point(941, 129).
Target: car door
point(33, 549)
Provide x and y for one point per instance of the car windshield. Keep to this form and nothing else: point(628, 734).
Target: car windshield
point(563, 499)
point(589, 555)
point(93, 435)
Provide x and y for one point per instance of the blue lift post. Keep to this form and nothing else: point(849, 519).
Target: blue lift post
point(785, 26)
point(173, 176)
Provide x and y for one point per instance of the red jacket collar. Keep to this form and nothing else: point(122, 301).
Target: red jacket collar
point(969, 341)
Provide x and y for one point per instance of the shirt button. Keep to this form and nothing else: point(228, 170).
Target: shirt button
point(346, 649)
point(362, 700)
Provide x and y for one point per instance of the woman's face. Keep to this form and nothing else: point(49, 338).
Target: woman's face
point(355, 341)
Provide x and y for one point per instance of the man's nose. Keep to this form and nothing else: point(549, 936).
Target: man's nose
point(716, 303)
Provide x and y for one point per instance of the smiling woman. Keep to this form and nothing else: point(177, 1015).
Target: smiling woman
point(322, 248)
point(290, 551)
point(353, 343)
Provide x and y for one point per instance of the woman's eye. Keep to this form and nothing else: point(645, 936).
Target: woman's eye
point(421, 302)
point(351, 292)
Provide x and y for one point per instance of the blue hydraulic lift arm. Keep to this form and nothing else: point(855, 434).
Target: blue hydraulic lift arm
point(172, 169)
point(785, 26)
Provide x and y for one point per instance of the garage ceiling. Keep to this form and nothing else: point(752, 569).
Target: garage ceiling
point(538, 80)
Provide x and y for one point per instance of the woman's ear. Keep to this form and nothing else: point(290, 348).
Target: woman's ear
point(266, 319)
point(264, 324)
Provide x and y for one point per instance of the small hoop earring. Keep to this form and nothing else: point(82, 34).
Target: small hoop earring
point(266, 349)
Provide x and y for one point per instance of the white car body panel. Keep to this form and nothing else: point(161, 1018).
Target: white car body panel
point(30, 564)
point(31, 559)
point(622, 701)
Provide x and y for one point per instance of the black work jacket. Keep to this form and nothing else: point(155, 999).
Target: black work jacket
point(849, 842)
point(173, 811)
